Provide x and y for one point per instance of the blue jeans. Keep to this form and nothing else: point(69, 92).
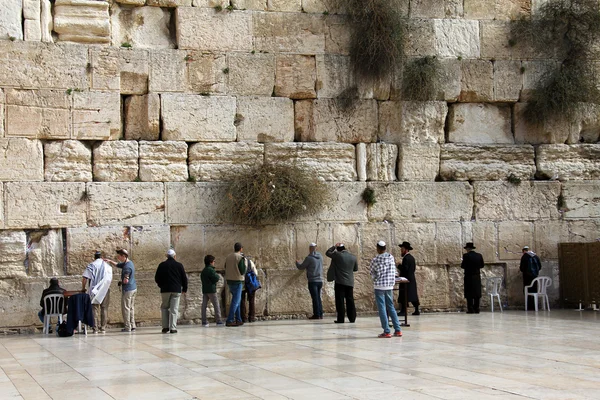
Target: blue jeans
point(236, 298)
point(385, 307)
point(315, 294)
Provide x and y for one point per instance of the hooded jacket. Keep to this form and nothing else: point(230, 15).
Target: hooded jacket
point(313, 264)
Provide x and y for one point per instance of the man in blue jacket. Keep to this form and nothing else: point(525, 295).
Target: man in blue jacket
point(313, 264)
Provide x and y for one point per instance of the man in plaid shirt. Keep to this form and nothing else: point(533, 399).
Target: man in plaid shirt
point(383, 272)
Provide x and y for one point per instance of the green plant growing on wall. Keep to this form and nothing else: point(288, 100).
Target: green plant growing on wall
point(126, 45)
point(421, 79)
point(513, 179)
point(368, 197)
point(272, 193)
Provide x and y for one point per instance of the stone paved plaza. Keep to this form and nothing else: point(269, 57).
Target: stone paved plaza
point(441, 356)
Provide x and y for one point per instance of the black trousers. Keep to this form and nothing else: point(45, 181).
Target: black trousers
point(345, 294)
point(473, 304)
point(250, 314)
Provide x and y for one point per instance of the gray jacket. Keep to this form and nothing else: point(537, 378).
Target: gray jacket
point(342, 268)
point(313, 264)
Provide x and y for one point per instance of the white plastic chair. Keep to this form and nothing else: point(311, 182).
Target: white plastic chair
point(542, 284)
point(493, 289)
point(53, 307)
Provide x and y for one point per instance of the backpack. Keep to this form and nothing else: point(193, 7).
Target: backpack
point(61, 330)
point(251, 282)
point(534, 266)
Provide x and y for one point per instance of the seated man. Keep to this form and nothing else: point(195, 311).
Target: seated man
point(54, 288)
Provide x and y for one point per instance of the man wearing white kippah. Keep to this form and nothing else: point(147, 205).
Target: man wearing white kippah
point(172, 281)
point(342, 269)
point(313, 264)
point(383, 273)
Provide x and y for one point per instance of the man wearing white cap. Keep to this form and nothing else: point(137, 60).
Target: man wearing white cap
point(172, 281)
point(342, 269)
point(383, 272)
point(530, 266)
point(313, 264)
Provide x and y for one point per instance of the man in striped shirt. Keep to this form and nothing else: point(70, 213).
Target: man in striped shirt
point(383, 272)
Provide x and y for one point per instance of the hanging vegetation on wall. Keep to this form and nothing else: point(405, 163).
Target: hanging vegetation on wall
point(421, 79)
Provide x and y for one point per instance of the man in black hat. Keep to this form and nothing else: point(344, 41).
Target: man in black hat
point(472, 263)
point(342, 269)
point(407, 269)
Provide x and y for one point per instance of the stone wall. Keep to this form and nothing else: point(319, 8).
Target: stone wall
point(120, 119)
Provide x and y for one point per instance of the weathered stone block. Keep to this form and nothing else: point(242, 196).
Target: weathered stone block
point(486, 163)
point(422, 201)
point(188, 241)
point(484, 234)
point(96, 115)
point(132, 2)
point(479, 123)
point(412, 122)
point(307, 233)
point(528, 201)
point(251, 74)
point(276, 247)
point(497, 9)
point(105, 68)
point(116, 161)
point(508, 80)
point(206, 72)
point(21, 160)
point(46, 21)
point(284, 5)
point(457, 37)
point(361, 161)
point(218, 161)
point(582, 199)
point(38, 113)
point(265, 119)
point(207, 29)
point(583, 231)
point(142, 27)
point(418, 162)
point(420, 236)
point(149, 245)
point(420, 38)
point(134, 71)
point(328, 161)
point(13, 250)
point(164, 161)
point(168, 71)
point(169, 3)
point(45, 204)
point(2, 207)
point(324, 121)
point(289, 32)
point(46, 253)
point(142, 117)
point(512, 236)
point(288, 293)
point(194, 203)
point(434, 287)
point(338, 33)
point(219, 241)
point(477, 84)
point(545, 132)
point(260, 5)
point(448, 242)
point(547, 236)
point(369, 234)
point(82, 21)
point(345, 204)
point(381, 159)
point(295, 76)
point(126, 203)
point(37, 65)
point(198, 118)
point(67, 161)
point(32, 30)
point(435, 9)
point(334, 75)
point(564, 162)
point(83, 242)
point(11, 17)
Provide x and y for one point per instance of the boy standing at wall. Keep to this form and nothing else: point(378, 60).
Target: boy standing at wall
point(210, 278)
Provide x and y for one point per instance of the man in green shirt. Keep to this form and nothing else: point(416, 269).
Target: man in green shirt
point(210, 278)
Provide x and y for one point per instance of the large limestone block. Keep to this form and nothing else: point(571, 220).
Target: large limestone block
point(412, 122)
point(198, 118)
point(289, 32)
point(105, 68)
point(582, 199)
point(38, 113)
point(164, 161)
point(134, 67)
point(149, 245)
point(219, 241)
point(512, 236)
point(116, 161)
point(82, 21)
point(418, 162)
point(324, 120)
point(369, 234)
point(32, 30)
point(344, 205)
point(334, 75)
point(484, 234)
point(34, 65)
point(312, 232)
point(477, 81)
point(46, 253)
point(479, 123)
point(564, 162)
point(265, 119)
point(381, 160)
point(195, 203)
point(508, 80)
point(295, 76)
point(421, 237)
point(21, 160)
point(251, 74)
point(486, 163)
point(584, 230)
point(142, 117)
point(96, 115)
point(2, 101)
point(448, 242)
point(497, 9)
point(284, 5)
point(420, 38)
point(13, 246)
point(422, 201)
point(528, 201)
point(206, 72)
point(134, 203)
point(288, 294)
point(547, 235)
point(11, 19)
point(83, 242)
point(338, 34)
point(219, 161)
point(207, 29)
point(435, 8)
point(457, 37)
point(46, 21)
point(67, 161)
point(433, 286)
point(45, 204)
point(188, 240)
point(142, 27)
point(328, 161)
point(535, 71)
point(168, 71)
point(259, 5)
point(276, 247)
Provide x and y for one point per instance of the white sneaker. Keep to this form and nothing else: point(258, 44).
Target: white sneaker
point(205, 325)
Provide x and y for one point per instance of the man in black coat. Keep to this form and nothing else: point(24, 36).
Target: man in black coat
point(342, 269)
point(472, 263)
point(54, 288)
point(407, 270)
point(171, 279)
point(530, 266)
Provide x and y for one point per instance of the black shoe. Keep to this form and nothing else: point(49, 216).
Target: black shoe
point(476, 311)
point(416, 313)
point(314, 317)
point(173, 331)
point(338, 322)
point(470, 312)
point(132, 329)
point(165, 330)
point(401, 313)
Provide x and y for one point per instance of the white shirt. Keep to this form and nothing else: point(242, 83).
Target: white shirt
point(100, 275)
